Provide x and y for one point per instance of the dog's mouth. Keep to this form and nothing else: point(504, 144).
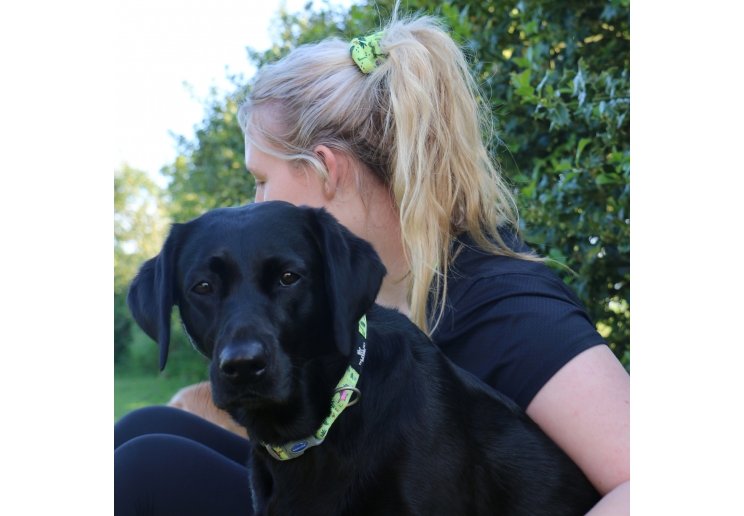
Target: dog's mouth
point(244, 400)
point(234, 397)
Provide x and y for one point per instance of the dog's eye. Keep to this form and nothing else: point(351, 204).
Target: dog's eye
point(203, 288)
point(288, 278)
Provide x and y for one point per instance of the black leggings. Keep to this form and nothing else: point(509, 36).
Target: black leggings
point(168, 461)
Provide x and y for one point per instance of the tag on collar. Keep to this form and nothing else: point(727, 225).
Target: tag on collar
point(357, 359)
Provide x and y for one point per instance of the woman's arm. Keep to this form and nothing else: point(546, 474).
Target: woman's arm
point(585, 409)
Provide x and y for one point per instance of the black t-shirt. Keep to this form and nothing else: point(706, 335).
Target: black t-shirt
point(510, 322)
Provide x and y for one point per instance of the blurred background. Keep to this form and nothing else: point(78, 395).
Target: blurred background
point(556, 74)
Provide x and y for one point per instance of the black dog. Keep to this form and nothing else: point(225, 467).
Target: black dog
point(274, 294)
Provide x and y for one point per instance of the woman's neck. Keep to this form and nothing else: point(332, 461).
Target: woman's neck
point(382, 230)
point(375, 219)
point(394, 290)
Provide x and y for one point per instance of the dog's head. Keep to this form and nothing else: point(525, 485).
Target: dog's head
point(262, 290)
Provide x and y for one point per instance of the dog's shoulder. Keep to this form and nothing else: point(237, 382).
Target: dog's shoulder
point(396, 343)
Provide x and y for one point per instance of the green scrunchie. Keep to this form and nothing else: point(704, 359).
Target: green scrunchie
point(366, 53)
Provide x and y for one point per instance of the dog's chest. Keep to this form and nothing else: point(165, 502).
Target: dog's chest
point(314, 484)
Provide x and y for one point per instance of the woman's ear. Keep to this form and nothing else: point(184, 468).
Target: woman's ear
point(334, 166)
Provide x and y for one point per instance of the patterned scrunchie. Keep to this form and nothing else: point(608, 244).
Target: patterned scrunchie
point(366, 53)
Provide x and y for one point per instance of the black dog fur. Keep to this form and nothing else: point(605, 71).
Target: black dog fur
point(426, 438)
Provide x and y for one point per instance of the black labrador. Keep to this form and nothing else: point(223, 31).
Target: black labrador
point(278, 297)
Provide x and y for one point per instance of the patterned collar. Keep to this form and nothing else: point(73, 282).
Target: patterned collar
point(340, 400)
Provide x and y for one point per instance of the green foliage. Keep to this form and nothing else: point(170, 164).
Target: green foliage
point(139, 222)
point(138, 232)
point(123, 326)
point(556, 75)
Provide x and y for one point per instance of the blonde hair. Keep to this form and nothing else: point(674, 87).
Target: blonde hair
point(415, 122)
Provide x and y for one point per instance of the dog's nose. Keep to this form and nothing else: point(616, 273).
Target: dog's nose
point(243, 362)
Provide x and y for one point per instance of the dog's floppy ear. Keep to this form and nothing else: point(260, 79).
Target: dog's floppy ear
point(151, 295)
point(353, 275)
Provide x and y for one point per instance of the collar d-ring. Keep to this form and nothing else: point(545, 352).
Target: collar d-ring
point(353, 389)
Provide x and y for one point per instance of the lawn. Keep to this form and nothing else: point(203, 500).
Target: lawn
point(133, 392)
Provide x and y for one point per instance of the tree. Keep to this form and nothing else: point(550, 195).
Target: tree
point(556, 75)
point(139, 227)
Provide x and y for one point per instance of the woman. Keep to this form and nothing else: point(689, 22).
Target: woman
point(390, 142)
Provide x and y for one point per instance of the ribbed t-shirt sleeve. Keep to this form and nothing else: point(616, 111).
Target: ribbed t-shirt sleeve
point(515, 331)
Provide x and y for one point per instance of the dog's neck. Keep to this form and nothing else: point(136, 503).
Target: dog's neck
point(341, 399)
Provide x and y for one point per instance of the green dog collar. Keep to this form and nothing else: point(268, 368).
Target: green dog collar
point(340, 400)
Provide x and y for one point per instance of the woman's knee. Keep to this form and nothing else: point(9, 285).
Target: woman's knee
point(164, 474)
point(155, 419)
point(139, 472)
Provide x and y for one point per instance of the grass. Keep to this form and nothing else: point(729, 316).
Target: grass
point(132, 392)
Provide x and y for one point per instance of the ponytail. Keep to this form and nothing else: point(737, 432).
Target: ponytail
point(416, 123)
